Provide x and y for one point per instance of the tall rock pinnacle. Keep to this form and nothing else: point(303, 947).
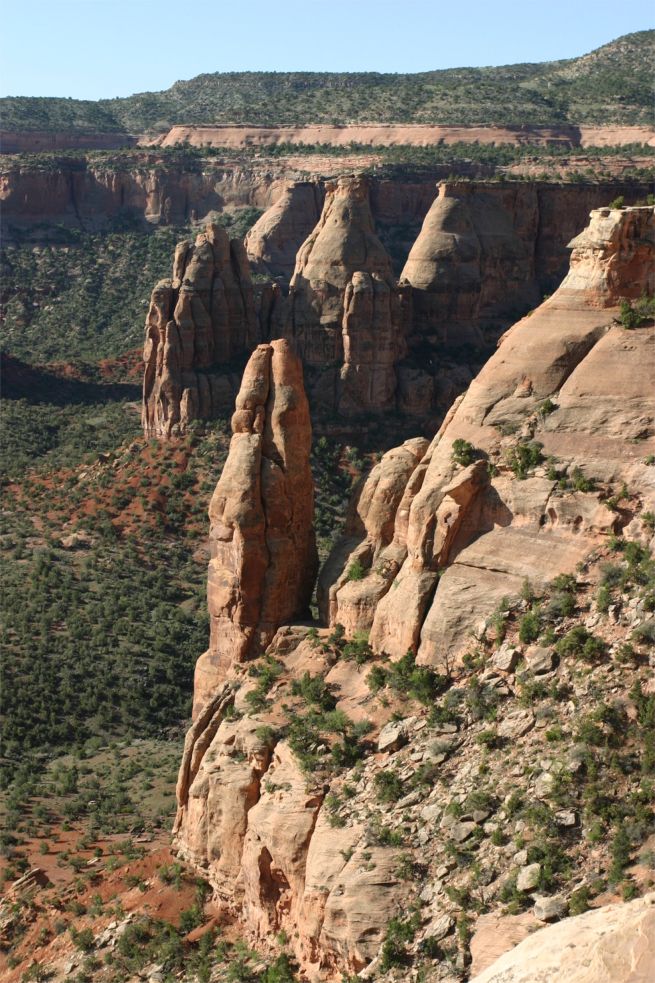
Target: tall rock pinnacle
point(197, 322)
point(345, 306)
point(263, 553)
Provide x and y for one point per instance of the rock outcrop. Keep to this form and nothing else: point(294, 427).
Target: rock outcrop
point(614, 944)
point(298, 784)
point(394, 134)
point(253, 818)
point(274, 240)
point(346, 314)
point(198, 322)
point(361, 567)
point(568, 385)
point(467, 259)
point(263, 553)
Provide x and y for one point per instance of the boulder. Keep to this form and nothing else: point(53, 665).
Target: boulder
point(506, 658)
point(393, 736)
point(539, 659)
point(528, 877)
point(549, 909)
point(613, 944)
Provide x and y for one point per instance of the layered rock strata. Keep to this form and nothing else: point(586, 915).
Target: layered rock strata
point(262, 546)
point(346, 314)
point(568, 384)
point(391, 134)
point(198, 322)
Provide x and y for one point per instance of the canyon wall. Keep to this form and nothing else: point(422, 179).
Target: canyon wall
point(368, 343)
point(393, 135)
point(569, 392)
point(511, 488)
point(86, 193)
point(344, 315)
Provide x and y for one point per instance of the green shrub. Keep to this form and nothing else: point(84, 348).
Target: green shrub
point(418, 682)
point(620, 852)
point(580, 642)
point(315, 691)
point(641, 312)
point(376, 679)
point(579, 901)
point(644, 634)
point(523, 457)
point(463, 453)
point(84, 939)
point(356, 571)
point(547, 407)
point(399, 933)
point(388, 786)
point(580, 482)
point(530, 626)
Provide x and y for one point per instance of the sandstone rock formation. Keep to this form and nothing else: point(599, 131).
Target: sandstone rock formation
point(346, 315)
point(263, 554)
point(274, 240)
point(473, 532)
point(614, 944)
point(361, 566)
point(436, 537)
point(200, 320)
point(466, 260)
point(393, 134)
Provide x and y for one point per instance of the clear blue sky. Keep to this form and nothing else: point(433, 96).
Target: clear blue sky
point(91, 49)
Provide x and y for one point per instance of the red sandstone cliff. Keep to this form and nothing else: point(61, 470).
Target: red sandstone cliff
point(438, 542)
point(263, 553)
point(472, 532)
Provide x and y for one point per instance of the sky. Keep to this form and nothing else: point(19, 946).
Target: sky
point(92, 49)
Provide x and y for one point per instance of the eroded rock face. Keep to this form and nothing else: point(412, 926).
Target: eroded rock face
point(470, 537)
point(198, 322)
point(468, 257)
point(255, 823)
point(613, 944)
point(438, 537)
point(263, 553)
point(361, 567)
point(346, 314)
point(274, 240)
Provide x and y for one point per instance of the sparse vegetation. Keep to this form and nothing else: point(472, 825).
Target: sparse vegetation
point(613, 86)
